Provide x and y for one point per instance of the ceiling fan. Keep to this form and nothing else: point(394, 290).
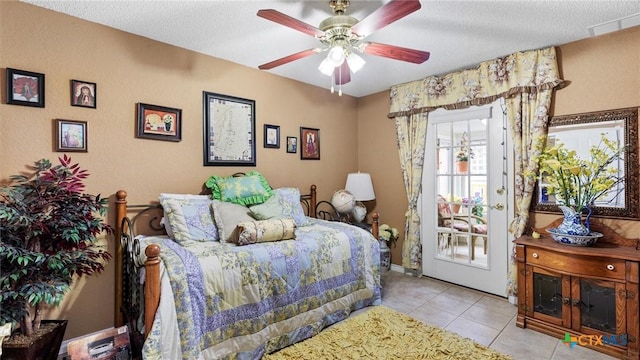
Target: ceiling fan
point(342, 36)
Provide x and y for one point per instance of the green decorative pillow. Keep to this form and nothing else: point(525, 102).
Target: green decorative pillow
point(285, 203)
point(252, 232)
point(227, 217)
point(244, 190)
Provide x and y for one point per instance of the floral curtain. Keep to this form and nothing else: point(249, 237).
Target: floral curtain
point(411, 131)
point(525, 79)
point(528, 115)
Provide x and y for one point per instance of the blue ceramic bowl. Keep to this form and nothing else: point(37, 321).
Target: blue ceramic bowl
point(575, 240)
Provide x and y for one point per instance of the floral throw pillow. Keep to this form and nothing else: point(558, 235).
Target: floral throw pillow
point(283, 205)
point(190, 218)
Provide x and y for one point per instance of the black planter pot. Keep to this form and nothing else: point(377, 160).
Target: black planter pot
point(46, 347)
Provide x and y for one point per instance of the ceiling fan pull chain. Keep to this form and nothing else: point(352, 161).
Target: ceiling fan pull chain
point(333, 75)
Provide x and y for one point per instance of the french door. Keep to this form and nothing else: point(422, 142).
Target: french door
point(465, 202)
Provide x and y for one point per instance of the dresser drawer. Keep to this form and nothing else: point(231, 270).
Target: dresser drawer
point(577, 264)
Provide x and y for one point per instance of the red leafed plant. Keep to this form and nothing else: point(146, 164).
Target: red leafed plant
point(48, 233)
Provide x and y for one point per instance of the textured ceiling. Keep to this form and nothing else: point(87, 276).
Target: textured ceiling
point(459, 34)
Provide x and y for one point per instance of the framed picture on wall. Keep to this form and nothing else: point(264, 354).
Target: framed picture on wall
point(310, 143)
point(229, 130)
point(25, 88)
point(159, 122)
point(71, 136)
point(83, 94)
point(292, 144)
point(272, 136)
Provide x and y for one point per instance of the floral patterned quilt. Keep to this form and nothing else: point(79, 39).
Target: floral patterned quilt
point(221, 301)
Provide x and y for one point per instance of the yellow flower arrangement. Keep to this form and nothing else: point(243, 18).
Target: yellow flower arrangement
point(579, 183)
point(388, 234)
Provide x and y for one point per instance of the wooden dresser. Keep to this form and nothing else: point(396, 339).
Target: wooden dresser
point(589, 293)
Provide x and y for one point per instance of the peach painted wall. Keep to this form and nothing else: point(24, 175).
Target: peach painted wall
point(378, 155)
point(129, 69)
point(604, 73)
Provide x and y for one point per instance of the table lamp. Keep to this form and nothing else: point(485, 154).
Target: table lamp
point(359, 184)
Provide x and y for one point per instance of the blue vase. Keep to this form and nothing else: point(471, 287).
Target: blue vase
point(572, 222)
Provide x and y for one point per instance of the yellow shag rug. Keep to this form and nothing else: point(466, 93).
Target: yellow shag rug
point(383, 333)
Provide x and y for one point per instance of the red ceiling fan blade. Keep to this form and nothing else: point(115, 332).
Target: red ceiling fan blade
point(385, 15)
point(288, 59)
point(286, 20)
point(395, 52)
point(342, 74)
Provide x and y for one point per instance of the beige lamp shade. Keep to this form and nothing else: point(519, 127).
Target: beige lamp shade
point(359, 184)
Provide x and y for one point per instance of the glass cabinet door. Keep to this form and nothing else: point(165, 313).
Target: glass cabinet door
point(549, 299)
point(599, 305)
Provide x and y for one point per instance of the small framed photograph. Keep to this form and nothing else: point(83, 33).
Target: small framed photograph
point(83, 94)
point(272, 136)
point(25, 88)
point(71, 136)
point(292, 144)
point(310, 147)
point(159, 122)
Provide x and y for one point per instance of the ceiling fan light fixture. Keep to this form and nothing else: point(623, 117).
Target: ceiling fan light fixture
point(355, 62)
point(336, 55)
point(326, 67)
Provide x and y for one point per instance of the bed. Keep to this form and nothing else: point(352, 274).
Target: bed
point(216, 300)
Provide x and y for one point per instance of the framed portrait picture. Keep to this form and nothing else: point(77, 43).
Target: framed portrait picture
point(71, 136)
point(229, 130)
point(292, 144)
point(25, 88)
point(83, 94)
point(310, 143)
point(159, 122)
point(272, 136)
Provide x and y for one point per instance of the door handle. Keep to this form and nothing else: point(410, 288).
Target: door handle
point(498, 206)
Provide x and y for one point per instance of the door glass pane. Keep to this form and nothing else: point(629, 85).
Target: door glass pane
point(598, 306)
point(547, 295)
point(461, 185)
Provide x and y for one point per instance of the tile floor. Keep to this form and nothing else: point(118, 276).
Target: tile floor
point(487, 319)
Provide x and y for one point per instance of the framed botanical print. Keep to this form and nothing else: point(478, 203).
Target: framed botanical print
point(309, 143)
point(83, 94)
point(25, 88)
point(229, 130)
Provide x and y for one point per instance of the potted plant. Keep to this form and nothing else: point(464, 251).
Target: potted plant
point(49, 229)
point(463, 154)
point(578, 183)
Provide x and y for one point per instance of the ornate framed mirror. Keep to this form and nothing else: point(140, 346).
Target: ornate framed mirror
point(580, 130)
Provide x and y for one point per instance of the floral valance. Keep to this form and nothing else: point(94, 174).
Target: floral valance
point(522, 72)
